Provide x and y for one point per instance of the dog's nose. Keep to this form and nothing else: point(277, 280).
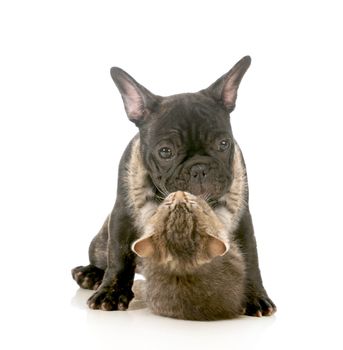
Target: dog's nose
point(199, 171)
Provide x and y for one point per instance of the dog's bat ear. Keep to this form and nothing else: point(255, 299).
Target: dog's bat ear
point(138, 101)
point(224, 90)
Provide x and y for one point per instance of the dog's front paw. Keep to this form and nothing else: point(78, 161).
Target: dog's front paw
point(110, 298)
point(260, 305)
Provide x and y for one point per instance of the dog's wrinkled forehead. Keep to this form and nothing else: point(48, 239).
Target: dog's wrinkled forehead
point(187, 118)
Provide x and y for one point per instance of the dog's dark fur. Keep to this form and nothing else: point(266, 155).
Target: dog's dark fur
point(184, 143)
point(193, 270)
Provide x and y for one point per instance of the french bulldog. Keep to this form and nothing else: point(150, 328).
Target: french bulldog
point(184, 143)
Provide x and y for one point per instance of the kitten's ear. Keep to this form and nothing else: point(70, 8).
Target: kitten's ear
point(143, 247)
point(216, 247)
point(224, 90)
point(138, 101)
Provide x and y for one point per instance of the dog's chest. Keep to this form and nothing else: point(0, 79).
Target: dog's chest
point(139, 189)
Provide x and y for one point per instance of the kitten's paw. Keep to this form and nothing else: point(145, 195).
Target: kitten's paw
point(88, 277)
point(110, 298)
point(260, 306)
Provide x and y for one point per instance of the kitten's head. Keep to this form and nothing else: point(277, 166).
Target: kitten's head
point(183, 233)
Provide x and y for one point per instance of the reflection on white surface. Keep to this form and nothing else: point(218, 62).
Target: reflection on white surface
point(60, 319)
point(57, 317)
point(143, 329)
point(49, 311)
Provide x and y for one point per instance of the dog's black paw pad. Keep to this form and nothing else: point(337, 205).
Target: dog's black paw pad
point(88, 277)
point(108, 298)
point(260, 306)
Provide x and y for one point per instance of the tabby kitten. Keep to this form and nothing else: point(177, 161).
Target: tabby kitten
point(193, 270)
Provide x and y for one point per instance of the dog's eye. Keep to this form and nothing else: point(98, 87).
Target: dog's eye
point(223, 145)
point(165, 153)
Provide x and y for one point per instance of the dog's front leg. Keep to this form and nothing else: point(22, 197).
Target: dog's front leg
point(258, 302)
point(115, 291)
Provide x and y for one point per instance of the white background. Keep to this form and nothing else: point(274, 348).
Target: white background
point(63, 129)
